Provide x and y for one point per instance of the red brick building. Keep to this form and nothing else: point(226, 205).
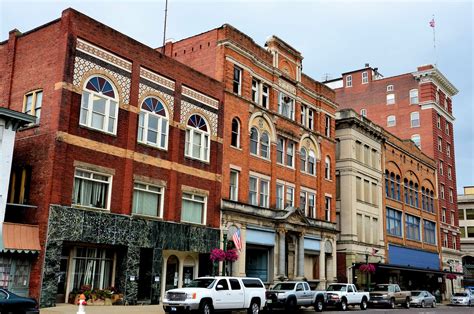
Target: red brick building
point(416, 106)
point(278, 185)
point(122, 169)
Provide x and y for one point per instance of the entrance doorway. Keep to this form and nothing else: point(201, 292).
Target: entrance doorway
point(172, 268)
point(256, 263)
point(145, 274)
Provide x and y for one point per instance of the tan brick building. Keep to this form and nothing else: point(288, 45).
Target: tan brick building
point(278, 184)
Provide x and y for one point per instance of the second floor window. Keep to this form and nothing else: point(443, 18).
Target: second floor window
point(394, 222)
point(255, 91)
point(307, 203)
point(259, 193)
point(327, 126)
point(234, 185)
point(284, 196)
point(197, 138)
point(99, 105)
point(91, 189)
point(286, 106)
point(429, 231)
point(327, 208)
point(147, 199)
point(349, 81)
point(237, 80)
point(153, 123)
point(193, 208)
point(327, 168)
point(235, 136)
point(32, 104)
point(308, 161)
point(259, 143)
point(412, 227)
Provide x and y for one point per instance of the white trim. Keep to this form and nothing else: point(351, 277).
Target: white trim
point(234, 167)
point(200, 97)
point(440, 110)
point(260, 175)
point(286, 183)
point(156, 78)
point(80, 41)
point(109, 190)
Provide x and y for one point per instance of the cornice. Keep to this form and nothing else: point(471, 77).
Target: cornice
point(435, 76)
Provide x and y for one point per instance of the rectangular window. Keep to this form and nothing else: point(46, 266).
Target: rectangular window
point(442, 191)
point(470, 232)
point(365, 77)
point(237, 82)
point(255, 90)
point(389, 88)
point(311, 201)
point(375, 231)
point(359, 228)
point(289, 196)
point(338, 187)
point(443, 215)
point(290, 153)
point(414, 96)
point(441, 168)
point(363, 112)
point(451, 196)
point(440, 144)
point(349, 81)
point(452, 219)
point(429, 232)
point(374, 194)
point(358, 151)
point(394, 222)
point(253, 191)
point(445, 240)
point(448, 149)
point(367, 229)
point(280, 150)
point(455, 243)
point(359, 188)
point(19, 189)
point(303, 115)
point(93, 267)
point(91, 189)
point(286, 106)
point(32, 104)
point(310, 119)
point(391, 120)
point(193, 208)
point(366, 191)
point(234, 185)
point(438, 122)
point(446, 128)
point(265, 95)
point(147, 200)
point(450, 173)
point(390, 99)
point(412, 227)
point(463, 231)
point(327, 208)
point(374, 159)
point(264, 193)
point(366, 154)
point(279, 196)
point(327, 126)
point(415, 119)
point(470, 213)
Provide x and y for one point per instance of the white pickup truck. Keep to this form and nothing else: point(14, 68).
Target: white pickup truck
point(290, 295)
point(209, 294)
point(342, 295)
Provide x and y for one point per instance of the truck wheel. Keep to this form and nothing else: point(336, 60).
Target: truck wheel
point(254, 307)
point(205, 307)
point(319, 305)
point(291, 305)
point(392, 303)
point(407, 303)
point(363, 304)
point(343, 305)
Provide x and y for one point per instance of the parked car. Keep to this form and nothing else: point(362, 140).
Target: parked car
point(290, 295)
point(209, 294)
point(389, 295)
point(463, 298)
point(422, 298)
point(12, 303)
point(342, 295)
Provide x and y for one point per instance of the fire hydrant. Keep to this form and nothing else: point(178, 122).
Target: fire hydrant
point(82, 302)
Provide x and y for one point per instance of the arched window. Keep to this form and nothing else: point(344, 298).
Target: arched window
point(254, 141)
point(311, 162)
point(327, 168)
point(265, 145)
point(99, 105)
point(398, 187)
point(153, 123)
point(303, 157)
point(416, 195)
point(197, 138)
point(235, 137)
point(387, 182)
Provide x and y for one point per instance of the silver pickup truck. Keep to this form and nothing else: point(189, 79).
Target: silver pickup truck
point(291, 295)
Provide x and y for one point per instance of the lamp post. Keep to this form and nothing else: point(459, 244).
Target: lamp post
point(224, 239)
point(368, 275)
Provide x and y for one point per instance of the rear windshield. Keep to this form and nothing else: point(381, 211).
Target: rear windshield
point(337, 288)
point(460, 294)
point(415, 293)
point(252, 283)
point(284, 286)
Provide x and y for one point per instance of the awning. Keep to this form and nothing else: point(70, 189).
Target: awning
point(425, 270)
point(20, 238)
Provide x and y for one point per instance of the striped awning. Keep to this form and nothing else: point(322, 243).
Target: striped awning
point(20, 238)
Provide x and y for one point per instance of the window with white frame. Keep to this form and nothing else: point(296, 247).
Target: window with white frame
point(441, 167)
point(308, 161)
point(394, 222)
point(310, 124)
point(147, 199)
point(448, 149)
point(415, 119)
point(99, 105)
point(349, 81)
point(254, 139)
point(391, 121)
point(259, 191)
point(289, 198)
point(264, 197)
point(451, 195)
point(455, 244)
point(390, 99)
point(280, 197)
point(327, 208)
point(442, 191)
point(32, 103)
point(450, 173)
point(286, 106)
point(416, 139)
point(280, 150)
point(193, 208)
point(265, 95)
point(446, 128)
point(285, 152)
point(327, 168)
point(290, 153)
point(234, 185)
point(443, 215)
point(440, 144)
point(153, 123)
point(91, 189)
point(327, 126)
point(259, 143)
point(284, 195)
point(237, 80)
point(235, 136)
point(255, 90)
point(265, 145)
point(363, 112)
point(253, 190)
point(438, 122)
point(308, 203)
point(365, 77)
point(389, 88)
point(197, 138)
point(413, 96)
point(445, 240)
point(303, 115)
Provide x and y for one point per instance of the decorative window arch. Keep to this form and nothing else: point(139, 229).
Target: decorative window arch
point(235, 135)
point(99, 105)
point(197, 138)
point(327, 168)
point(153, 123)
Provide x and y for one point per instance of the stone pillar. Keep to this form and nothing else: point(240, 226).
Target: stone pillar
point(240, 267)
point(281, 252)
point(300, 263)
point(157, 272)
point(49, 286)
point(322, 267)
point(180, 270)
point(132, 268)
point(334, 262)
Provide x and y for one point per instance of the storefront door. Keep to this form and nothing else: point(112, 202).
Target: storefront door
point(172, 268)
point(256, 263)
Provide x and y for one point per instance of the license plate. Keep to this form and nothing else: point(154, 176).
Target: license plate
point(269, 301)
point(173, 309)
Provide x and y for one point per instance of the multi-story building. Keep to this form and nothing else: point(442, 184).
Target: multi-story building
point(416, 106)
point(19, 243)
point(466, 226)
point(359, 203)
point(121, 170)
point(278, 170)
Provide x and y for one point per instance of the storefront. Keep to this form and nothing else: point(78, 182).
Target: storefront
point(259, 253)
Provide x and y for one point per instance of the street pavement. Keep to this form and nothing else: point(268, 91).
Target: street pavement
point(158, 309)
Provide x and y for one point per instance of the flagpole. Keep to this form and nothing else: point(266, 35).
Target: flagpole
point(434, 41)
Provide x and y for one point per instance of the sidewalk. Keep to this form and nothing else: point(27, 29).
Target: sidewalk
point(98, 309)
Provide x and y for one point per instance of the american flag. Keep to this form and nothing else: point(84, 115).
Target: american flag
point(432, 23)
point(236, 239)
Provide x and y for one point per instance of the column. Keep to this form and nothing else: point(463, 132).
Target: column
point(240, 269)
point(282, 253)
point(180, 270)
point(334, 261)
point(300, 262)
point(322, 266)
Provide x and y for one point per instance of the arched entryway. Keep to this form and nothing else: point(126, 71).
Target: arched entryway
point(172, 271)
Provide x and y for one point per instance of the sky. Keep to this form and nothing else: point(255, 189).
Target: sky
point(333, 36)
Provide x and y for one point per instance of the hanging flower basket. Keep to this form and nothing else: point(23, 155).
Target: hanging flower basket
point(451, 276)
point(367, 268)
point(231, 255)
point(217, 255)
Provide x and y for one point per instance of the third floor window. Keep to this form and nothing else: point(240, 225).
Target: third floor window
point(286, 106)
point(32, 104)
